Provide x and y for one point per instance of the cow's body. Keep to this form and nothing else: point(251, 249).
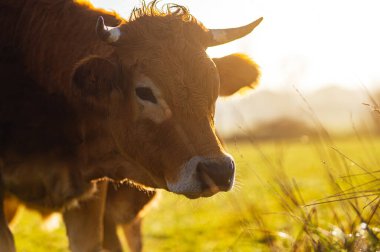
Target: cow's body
point(35, 142)
point(35, 112)
point(51, 37)
point(43, 149)
point(138, 107)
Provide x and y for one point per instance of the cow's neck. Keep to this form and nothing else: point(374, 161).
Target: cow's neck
point(54, 35)
point(104, 155)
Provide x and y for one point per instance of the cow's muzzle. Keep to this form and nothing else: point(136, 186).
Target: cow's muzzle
point(204, 177)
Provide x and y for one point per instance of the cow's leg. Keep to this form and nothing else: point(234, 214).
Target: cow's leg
point(132, 232)
point(6, 237)
point(11, 206)
point(84, 225)
point(111, 240)
point(125, 207)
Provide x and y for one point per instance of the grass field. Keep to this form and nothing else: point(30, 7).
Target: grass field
point(266, 210)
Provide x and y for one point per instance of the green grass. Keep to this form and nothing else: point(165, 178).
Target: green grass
point(30, 236)
point(274, 182)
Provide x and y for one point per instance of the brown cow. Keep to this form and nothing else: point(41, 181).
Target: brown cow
point(139, 106)
point(124, 202)
point(129, 200)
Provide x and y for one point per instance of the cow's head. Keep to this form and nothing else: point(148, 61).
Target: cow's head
point(160, 88)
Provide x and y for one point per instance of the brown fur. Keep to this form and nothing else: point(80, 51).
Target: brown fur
point(61, 126)
point(125, 207)
point(53, 36)
point(124, 203)
point(37, 142)
point(236, 72)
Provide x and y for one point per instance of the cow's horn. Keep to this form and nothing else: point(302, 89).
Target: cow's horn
point(222, 36)
point(105, 33)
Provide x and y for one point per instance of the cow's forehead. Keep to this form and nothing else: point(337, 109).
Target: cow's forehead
point(186, 79)
point(175, 68)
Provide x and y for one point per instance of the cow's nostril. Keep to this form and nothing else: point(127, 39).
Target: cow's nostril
point(216, 175)
point(203, 177)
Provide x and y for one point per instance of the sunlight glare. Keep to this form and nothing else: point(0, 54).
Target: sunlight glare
point(303, 43)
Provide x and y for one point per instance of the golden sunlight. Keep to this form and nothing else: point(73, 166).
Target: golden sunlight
point(309, 44)
point(294, 162)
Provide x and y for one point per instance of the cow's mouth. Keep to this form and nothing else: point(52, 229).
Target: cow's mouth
point(204, 177)
point(204, 194)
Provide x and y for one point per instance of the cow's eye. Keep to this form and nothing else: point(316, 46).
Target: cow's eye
point(146, 94)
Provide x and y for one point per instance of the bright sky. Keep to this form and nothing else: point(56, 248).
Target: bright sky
point(309, 44)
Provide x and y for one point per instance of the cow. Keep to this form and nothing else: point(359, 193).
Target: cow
point(124, 203)
point(134, 102)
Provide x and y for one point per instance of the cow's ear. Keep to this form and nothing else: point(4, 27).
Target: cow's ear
point(95, 77)
point(236, 72)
